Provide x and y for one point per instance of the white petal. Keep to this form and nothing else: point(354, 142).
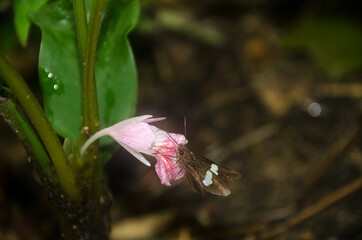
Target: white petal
point(131, 121)
point(162, 136)
point(138, 136)
point(154, 119)
point(136, 154)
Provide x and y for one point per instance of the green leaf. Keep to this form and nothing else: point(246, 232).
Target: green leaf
point(22, 22)
point(116, 74)
point(59, 67)
point(334, 44)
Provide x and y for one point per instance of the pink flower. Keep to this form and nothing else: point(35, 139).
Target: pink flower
point(165, 148)
point(133, 134)
point(137, 136)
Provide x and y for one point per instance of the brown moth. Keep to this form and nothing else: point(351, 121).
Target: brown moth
point(203, 174)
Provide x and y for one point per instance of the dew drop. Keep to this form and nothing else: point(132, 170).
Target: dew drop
point(56, 86)
point(50, 75)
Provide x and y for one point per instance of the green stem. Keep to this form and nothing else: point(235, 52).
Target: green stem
point(94, 27)
point(89, 97)
point(41, 124)
point(90, 113)
point(26, 134)
point(90, 101)
point(80, 20)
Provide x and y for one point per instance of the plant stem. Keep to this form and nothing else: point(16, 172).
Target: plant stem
point(87, 37)
point(41, 124)
point(26, 134)
point(80, 21)
point(90, 101)
point(91, 121)
point(94, 27)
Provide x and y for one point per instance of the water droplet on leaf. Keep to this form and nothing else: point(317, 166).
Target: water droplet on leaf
point(51, 81)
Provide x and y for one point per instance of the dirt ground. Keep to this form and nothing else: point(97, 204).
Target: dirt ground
point(252, 104)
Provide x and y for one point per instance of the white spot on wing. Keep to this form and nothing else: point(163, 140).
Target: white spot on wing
point(214, 169)
point(207, 181)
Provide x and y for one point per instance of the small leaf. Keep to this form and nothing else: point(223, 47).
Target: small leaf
point(22, 22)
point(59, 67)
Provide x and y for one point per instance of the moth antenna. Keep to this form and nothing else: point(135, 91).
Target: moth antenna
point(185, 126)
point(172, 139)
point(164, 154)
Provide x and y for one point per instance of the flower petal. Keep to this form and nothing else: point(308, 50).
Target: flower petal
point(162, 173)
point(154, 119)
point(136, 154)
point(167, 168)
point(131, 121)
point(138, 135)
point(165, 139)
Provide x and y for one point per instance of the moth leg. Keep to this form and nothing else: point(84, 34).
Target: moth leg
point(179, 172)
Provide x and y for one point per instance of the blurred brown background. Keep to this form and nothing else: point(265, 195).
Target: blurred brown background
point(271, 89)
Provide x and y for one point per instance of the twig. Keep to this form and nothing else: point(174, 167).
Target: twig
point(336, 149)
point(313, 209)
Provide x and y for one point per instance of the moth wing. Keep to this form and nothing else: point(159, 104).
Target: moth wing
point(195, 184)
point(219, 181)
point(194, 168)
point(203, 159)
point(217, 188)
point(228, 175)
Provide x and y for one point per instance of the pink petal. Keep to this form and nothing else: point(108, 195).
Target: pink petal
point(135, 132)
point(136, 154)
point(179, 138)
point(131, 121)
point(167, 170)
point(165, 139)
point(161, 171)
point(165, 147)
point(154, 119)
point(138, 136)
